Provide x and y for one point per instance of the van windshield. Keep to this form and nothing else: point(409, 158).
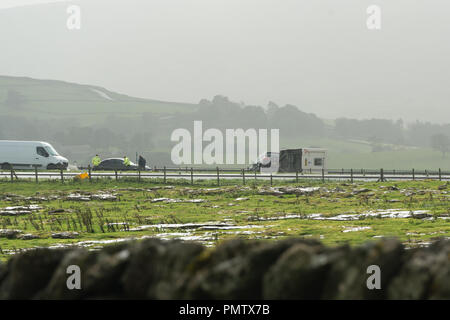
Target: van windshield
point(51, 151)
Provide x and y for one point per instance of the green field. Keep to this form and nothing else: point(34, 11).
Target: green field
point(255, 211)
point(358, 155)
point(45, 99)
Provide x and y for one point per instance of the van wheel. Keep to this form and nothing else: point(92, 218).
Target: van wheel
point(52, 166)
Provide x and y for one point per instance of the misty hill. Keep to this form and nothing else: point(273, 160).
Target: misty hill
point(50, 99)
point(82, 120)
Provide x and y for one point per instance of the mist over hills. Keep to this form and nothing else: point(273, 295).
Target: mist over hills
point(82, 120)
point(324, 61)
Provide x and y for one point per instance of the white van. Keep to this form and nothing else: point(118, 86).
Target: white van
point(27, 154)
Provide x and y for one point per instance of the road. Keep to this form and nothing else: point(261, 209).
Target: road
point(213, 176)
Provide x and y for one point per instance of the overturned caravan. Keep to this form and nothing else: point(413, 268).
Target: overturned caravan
point(306, 160)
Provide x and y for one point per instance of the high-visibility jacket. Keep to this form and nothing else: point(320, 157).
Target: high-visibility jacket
point(96, 161)
point(126, 161)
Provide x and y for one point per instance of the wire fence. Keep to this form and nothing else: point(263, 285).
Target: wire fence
point(220, 174)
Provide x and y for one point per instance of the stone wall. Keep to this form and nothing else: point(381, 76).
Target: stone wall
point(238, 269)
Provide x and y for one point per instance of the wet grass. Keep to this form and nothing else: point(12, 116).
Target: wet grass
point(98, 220)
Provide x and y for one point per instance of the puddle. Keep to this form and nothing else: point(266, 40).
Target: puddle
point(169, 200)
point(285, 217)
point(389, 213)
point(183, 236)
point(19, 210)
point(65, 235)
point(354, 229)
point(198, 226)
point(246, 232)
point(229, 227)
point(90, 197)
point(289, 190)
point(206, 239)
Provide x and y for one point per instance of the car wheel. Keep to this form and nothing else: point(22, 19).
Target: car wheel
point(53, 166)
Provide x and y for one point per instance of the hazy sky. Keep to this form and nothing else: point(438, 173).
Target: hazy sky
point(318, 55)
point(16, 3)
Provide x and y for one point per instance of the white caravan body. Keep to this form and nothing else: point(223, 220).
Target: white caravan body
point(314, 159)
point(30, 154)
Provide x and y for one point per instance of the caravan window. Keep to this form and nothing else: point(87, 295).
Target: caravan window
point(318, 161)
point(41, 151)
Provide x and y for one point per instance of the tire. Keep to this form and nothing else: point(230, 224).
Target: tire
point(53, 166)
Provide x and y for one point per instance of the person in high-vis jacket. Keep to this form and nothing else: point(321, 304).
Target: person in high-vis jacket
point(96, 160)
point(126, 161)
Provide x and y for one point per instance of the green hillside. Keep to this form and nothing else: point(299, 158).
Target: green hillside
point(357, 154)
point(55, 99)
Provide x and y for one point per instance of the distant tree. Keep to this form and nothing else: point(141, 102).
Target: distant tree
point(204, 102)
point(272, 108)
point(14, 99)
point(440, 142)
point(291, 122)
point(384, 130)
point(252, 117)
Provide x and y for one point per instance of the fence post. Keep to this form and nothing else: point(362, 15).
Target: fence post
point(296, 176)
point(12, 174)
point(243, 177)
point(62, 176)
point(271, 182)
point(440, 174)
point(218, 176)
point(36, 174)
point(351, 175)
point(323, 175)
point(89, 170)
point(381, 175)
point(192, 176)
point(165, 174)
point(414, 174)
point(115, 172)
point(139, 175)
